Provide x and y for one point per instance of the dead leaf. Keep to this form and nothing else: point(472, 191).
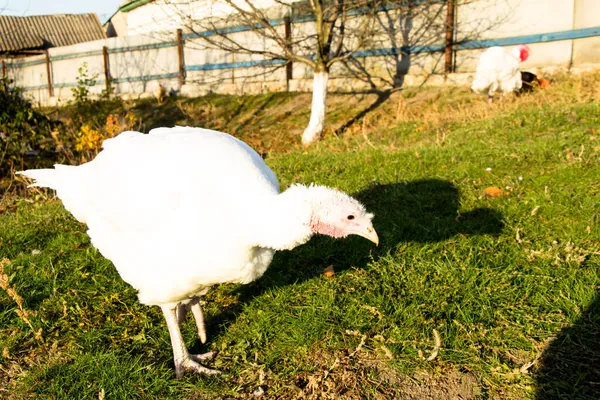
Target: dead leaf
point(493, 191)
point(438, 344)
point(329, 272)
point(372, 310)
point(387, 352)
point(535, 210)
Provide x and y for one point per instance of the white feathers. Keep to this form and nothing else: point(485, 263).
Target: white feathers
point(181, 209)
point(498, 70)
point(174, 210)
point(65, 179)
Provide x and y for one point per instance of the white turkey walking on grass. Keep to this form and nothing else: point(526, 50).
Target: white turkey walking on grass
point(179, 210)
point(499, 70)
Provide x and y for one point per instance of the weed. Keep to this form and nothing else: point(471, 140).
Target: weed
point(12, 293)
point(88, 141)
point(81, 92)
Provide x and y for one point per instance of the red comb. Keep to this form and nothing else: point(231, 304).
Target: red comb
point(523, 52)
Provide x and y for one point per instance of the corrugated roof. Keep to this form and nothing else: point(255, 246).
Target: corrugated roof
point(44, 31)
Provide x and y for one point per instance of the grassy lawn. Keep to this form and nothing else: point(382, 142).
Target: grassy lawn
point(509, 284)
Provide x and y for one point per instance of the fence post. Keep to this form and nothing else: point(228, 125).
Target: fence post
point(180, 58)
point(106, 70)
point(233, 69)
point(572, 57)
point(289, 67)
point(449, 49)
point(4, 80)
point(49, 74)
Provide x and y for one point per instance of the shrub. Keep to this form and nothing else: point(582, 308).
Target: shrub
point(29, 139)
point(23, 130)
point(88, 140)
point(85, 109)
point(84, 82)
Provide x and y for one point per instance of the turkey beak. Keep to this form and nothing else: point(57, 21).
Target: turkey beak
point(370, 234)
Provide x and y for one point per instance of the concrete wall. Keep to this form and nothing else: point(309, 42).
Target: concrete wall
point(167, 14)
point(587, 15)
point(509, 18)
point(138, 64)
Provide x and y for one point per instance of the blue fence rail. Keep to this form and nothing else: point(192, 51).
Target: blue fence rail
point(417, 49)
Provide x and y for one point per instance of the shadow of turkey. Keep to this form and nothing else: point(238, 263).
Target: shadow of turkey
point(422, 211)
point(568, 367)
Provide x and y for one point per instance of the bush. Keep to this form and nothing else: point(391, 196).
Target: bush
point(88, 140)
point(81, 92)
point(29, 139)
point(24, 131)
point(87, 109)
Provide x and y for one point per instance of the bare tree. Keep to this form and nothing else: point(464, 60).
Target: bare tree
point(405, 32)
point(274, 34)
point(331, 31)
point(413, 35)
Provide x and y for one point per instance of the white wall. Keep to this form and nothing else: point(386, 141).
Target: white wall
point(138, 64)
point(167, 15)
point(508, 18)
point(586, 50)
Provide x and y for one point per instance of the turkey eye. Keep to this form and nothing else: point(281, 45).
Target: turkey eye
point(350, 216)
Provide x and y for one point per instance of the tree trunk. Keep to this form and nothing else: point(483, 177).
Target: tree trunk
point(317, 113)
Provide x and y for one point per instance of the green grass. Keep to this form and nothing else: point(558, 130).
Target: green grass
point(506, 281)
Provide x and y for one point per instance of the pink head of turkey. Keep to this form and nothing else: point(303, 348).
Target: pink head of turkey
point(523, 52)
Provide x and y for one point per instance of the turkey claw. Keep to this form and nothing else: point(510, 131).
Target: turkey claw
point(192, 362)
point(203, 357)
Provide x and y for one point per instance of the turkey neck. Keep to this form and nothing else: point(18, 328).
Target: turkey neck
point(285, 221)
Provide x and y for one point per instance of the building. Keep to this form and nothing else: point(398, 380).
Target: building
point(24, 36)
point(141, 17)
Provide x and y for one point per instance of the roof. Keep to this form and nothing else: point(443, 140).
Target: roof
point(130, 5)
point(44, 31)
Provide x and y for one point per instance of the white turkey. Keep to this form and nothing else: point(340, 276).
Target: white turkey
point(499, 70)
point(181, 209)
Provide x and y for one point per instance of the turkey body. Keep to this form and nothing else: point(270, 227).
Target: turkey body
point(498, 70)
point(179, 210)
point(170, 236)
